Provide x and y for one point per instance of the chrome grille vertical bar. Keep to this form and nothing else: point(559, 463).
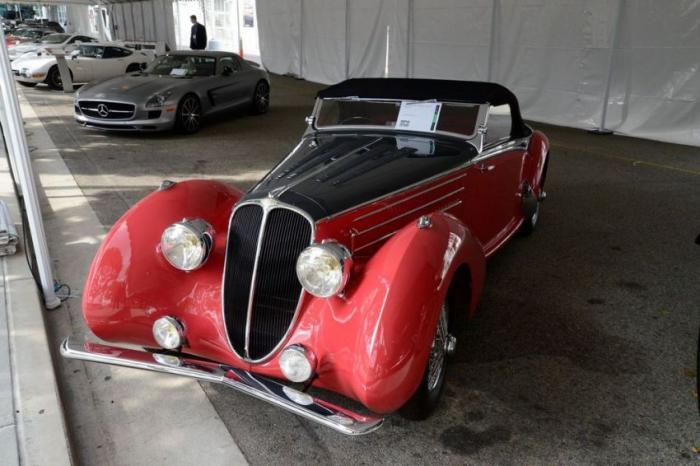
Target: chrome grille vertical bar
point(253, 279)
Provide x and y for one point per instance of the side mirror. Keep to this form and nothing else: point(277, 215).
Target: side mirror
point(74, 54)
point(228, 71)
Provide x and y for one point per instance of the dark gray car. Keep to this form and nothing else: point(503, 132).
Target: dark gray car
point(174, 91)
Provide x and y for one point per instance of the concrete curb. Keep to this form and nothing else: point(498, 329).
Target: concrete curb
point(118, 415)
point(39, 424)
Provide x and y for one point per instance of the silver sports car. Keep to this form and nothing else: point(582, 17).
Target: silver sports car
point(174, 91)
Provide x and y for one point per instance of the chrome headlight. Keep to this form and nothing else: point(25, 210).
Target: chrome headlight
point(186, 245)
point(158, 100)
point(323, 269)
point(168, 333)
point(296, 363)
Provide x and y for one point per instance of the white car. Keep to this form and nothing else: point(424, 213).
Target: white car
point(66, 42)
point(90, 62)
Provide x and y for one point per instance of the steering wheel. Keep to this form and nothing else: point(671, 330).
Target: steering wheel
point(357, 119)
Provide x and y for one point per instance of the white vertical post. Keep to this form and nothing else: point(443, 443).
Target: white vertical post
point(239, 31)
point(18, 151)
point(492, 40)
point(386, 56)
point(301, 38)
point(409, 40)
point(606, 94)
point(347, 39)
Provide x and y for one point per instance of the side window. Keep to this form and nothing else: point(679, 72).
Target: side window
point(116, 52)
point(231, 62)
point(498, 125)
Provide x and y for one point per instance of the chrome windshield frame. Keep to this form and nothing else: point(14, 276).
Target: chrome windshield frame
point(476, 138)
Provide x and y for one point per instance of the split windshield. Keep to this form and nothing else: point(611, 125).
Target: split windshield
point(182, 65)
point(453, 118)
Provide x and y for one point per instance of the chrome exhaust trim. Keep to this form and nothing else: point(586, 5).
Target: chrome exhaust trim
point(262, 388)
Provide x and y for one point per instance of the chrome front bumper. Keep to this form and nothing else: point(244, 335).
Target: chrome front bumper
point(263, 388)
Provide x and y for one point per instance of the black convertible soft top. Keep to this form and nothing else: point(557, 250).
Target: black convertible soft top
point(476, 92)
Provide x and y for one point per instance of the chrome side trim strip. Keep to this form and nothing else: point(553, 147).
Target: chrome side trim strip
point(416, 209)
point(412, 196)
point(404, 189)
point(262, 388)
point(520, 143)
point(388, 235)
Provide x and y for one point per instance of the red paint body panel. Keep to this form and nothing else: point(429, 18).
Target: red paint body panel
point(372, 343)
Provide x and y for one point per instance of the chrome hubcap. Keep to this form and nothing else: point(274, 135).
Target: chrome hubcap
point(190, 114)
point(441, 343)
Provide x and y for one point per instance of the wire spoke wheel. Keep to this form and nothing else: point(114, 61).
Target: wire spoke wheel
point(438, 352)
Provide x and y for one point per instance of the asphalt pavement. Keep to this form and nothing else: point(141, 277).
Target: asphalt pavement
point(583, 348)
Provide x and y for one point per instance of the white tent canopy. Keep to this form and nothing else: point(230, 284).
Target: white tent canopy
point(561, 58)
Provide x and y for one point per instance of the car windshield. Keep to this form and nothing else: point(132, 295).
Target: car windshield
point(183, 65)
point(404, 115)
point(91, 51)
point(55, 39)
point(31, 33)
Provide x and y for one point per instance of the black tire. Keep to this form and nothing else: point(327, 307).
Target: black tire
point(188, 119)
point(26, 84)
point(133, 67)
point(261, 98)
point(427, 397)
point(53, 79)
point(530, 222)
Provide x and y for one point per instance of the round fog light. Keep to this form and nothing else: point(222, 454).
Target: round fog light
point(296, 364)
point(168, 332)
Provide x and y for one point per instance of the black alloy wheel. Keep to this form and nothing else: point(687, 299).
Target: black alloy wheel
point(189, 114)
point(261, 98)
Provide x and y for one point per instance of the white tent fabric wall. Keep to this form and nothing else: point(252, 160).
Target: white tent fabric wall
point(279, 23)
point(370, 24)
point(558, 56)
point(150, 20)
point(656, 77)
point(78, 19)
point(182, 10)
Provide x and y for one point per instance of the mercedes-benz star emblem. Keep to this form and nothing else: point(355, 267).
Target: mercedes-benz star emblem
point(103, 110)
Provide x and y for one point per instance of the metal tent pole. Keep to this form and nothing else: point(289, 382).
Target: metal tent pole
point(347, 40)
point(18, 151)
point(492, 40)
point(601, 129)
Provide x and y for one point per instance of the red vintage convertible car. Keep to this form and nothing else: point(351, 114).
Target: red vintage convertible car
point(349, 267)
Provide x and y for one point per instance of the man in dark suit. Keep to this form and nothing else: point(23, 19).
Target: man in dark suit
point(198, 38)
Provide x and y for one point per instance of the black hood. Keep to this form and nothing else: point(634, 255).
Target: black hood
point(330, 173)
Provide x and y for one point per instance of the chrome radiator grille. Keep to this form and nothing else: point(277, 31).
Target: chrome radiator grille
point(261, 292)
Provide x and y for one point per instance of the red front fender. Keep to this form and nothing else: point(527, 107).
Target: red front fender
point(130, 284)
point(406, 283)
point(373, 343)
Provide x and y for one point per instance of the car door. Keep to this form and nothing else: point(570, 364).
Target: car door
point(84, 64)
point(113, 63)
point(229, 88)
point(494, 184)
